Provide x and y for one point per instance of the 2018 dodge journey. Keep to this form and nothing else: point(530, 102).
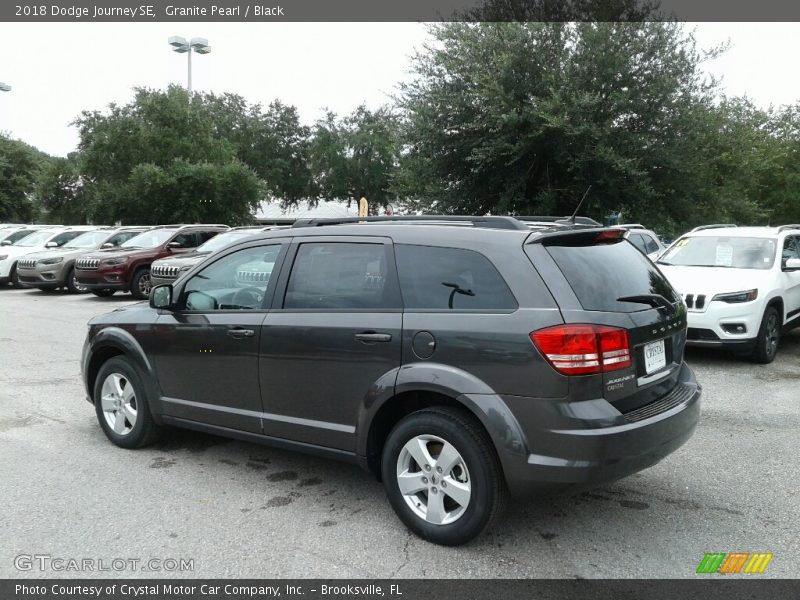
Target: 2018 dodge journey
point(457, 359)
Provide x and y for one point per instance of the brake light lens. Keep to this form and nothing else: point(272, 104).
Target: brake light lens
point(584, 349)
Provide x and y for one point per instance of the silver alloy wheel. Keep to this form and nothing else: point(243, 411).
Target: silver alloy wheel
point(119, 404)
point(76, 285)
point(772, 334)
point(144, 284)
point(433, 479)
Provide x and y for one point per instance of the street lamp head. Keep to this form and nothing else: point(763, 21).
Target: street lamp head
point(200, 45)
point(4, 87)
point(179, 44)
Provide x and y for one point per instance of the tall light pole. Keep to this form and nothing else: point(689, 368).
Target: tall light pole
point(4, 87)
point(182, 46)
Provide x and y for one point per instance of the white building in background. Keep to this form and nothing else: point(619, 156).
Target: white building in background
point(271, 213)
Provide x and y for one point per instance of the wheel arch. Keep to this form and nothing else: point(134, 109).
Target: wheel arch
point(449, 387)
point(112, 342)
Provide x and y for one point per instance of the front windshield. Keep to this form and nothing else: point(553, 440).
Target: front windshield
point(90, 239)
point(35, 238)
point(721, 251)
point(223, 239)
point(149, 239)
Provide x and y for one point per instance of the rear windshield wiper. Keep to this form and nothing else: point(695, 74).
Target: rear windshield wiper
point(654, 300)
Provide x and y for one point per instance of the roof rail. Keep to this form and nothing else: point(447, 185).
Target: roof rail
point(489, 222)
point(788, 226)
point(560, 220)
point(715, 226)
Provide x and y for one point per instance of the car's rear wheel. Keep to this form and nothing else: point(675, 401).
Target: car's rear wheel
point(769, 334)
point(73, 287)
point(442, 476)
point(103, 293)
point(140, 285)
point(121, 405)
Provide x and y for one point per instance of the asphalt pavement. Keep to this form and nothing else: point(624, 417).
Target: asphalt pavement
point(233, 509)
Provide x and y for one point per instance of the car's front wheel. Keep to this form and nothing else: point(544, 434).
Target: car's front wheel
point(769, 334)
point(140, 285)
point(72, 284)
point(121, 405)
point(442, 476)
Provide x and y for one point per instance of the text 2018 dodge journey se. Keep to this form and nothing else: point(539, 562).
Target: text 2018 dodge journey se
point(456, 359)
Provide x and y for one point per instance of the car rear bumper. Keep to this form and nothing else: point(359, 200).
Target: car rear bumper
point(579, 447)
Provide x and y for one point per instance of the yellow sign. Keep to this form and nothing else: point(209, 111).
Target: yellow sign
point(363, 207)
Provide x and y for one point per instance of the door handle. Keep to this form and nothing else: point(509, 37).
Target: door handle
point(370, 337)
point(241, 333)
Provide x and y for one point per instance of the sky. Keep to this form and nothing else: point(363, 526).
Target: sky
point(56, 70)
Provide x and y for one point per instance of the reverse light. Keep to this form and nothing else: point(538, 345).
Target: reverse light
point(584, 349)
point(737, 297)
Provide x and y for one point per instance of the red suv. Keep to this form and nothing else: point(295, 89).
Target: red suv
point(127, 267)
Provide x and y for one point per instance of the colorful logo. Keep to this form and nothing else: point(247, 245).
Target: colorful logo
point(734, 562)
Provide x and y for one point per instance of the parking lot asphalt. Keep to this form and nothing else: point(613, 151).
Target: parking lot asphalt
point(242, 510)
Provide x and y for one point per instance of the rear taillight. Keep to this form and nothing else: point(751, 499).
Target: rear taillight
point(584, 349)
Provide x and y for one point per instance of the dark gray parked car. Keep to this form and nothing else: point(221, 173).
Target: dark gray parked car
point(456, 363)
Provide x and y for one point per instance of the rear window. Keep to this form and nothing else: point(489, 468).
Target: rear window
point(434, 278)
point(601, 273)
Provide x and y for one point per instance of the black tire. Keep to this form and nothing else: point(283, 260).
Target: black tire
point(140, 282)
point(144, 431)
point(488, 493)
point(104, 293)
point(14, 277)
point(769, 335)
point(72, 285)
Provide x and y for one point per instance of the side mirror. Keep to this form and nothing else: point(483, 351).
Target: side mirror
point(791, 264)
point(107, 245)
point(161, 297)
point(6, 243)
point(51, 245)
point(173, 245)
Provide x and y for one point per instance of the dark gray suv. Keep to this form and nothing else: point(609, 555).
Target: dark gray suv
point(456, 359)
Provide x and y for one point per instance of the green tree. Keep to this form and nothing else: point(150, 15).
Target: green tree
point(373, 151)
point(162, 158)
point(60, 191)
point(20, 165)
point(523, 117)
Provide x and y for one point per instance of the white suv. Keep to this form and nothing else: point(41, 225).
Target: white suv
point(741, 285)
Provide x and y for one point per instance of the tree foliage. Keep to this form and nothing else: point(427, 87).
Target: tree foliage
point(163, 158)
point(20, 166)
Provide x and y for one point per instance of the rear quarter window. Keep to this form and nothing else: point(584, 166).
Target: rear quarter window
point(601, 273)
point(433, 278)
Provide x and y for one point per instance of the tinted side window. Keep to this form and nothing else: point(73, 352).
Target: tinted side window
point(637, 240)
point(334, 275)
point(650, 244)
point(235, 282)
point(186, 240)
point(122, 237)
point(206, 235)
point(450, 279)
point(791, 247)
point(63, 238)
